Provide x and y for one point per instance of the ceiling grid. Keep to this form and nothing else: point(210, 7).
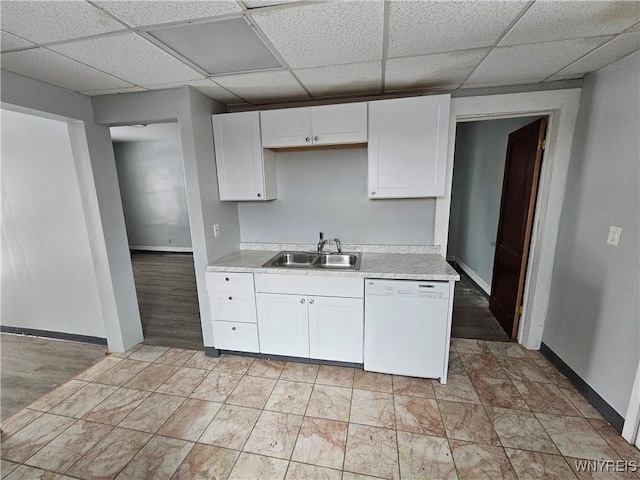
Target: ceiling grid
point(320, 50)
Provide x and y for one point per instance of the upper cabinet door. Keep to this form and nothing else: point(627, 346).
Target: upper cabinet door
point(339, 124)
point(408, 140)
point(245, 171)
point(289, 127)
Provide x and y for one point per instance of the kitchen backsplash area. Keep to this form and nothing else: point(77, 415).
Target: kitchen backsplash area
point(326, 190)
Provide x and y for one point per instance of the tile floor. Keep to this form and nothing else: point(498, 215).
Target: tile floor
point(167, 413)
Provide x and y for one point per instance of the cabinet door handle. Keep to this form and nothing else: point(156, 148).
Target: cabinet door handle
point(233, 328)
point(373, 193)
point(230, 298)
point(307, 139)
point(316, 138)
point(259, 195)
point(302, 300)
point(311, 301)
point(226, 279)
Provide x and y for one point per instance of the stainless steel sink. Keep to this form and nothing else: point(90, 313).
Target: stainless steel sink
point(339, 261)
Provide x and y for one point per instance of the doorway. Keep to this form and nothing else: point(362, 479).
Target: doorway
point(481, 151)
point(152, 187)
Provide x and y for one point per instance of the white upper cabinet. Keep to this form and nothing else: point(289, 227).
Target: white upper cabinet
point(322, 125)
point(245, 170)
point(407, 151)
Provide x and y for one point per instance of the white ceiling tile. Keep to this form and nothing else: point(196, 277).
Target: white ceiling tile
point(531, 62)
point(46, 21)
point(9, 42)
point(205, 86)
point(608, 53)
point(547, 21)
point(325, 34)
point(48, 66)
point(129, 57)
point(420, 28)
point(139, 13)
point(445, 69)
point(355, 78)
point(263, 87)
point(266, 3)
point(110, 91)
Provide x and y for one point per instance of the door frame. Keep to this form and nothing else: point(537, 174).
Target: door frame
point(561, 108)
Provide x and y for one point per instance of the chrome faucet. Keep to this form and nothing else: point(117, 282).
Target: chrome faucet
point(323, 242)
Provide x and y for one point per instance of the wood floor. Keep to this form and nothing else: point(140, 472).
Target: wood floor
point(471, 315)
point(168, 299)
point(33, 366)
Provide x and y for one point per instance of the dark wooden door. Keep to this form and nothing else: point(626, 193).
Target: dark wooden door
point(519, 189)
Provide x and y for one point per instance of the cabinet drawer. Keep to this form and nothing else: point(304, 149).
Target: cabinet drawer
point(229, 282)
point(233, 306)
point(237, 336)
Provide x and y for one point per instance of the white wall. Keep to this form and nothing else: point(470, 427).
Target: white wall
point(593, 312)
point(48, 279)
point(326, 190)
point(153, 193)
point(102, 208)
point(478, 172)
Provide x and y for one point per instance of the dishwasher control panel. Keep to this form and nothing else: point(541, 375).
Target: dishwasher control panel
point(407, 288)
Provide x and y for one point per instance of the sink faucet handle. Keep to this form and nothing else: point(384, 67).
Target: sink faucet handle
point(338, 244)
point(321, 242)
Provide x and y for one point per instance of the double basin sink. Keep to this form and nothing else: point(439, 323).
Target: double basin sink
point(341, 261)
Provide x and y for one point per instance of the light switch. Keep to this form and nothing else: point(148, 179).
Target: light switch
point(614, 235)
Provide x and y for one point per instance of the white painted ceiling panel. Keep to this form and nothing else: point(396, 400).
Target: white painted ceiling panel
point(420, 28)
point(554, 20)
point(140, 13)
point(48, 66)
point(431, 71)
point(608, 53)
point(9, 42)
point(325, 34)
point(532, 62)
point(263, 87)
point(336, 80)
point(43, 22)
point(129, 57)
point(110, 91)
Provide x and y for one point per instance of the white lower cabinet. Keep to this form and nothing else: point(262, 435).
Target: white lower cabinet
point(336, 328)
point(324, 328)
point(238, 336)
point(283, 324)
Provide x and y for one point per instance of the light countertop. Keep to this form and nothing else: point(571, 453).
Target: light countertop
point(400, 266)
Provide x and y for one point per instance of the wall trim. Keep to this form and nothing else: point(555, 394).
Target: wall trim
point(71, 337)
point(599, 403)
point(473, 276)
point(161, 249)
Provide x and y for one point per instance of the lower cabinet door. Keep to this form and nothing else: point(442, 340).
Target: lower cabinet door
point(336, 328)
point(242, 337)
point(283, 324)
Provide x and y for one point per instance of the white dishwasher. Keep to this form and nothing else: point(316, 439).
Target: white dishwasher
point(406, 327)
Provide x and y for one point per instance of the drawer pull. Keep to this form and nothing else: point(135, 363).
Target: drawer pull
point(226, 279)
point(230, 298)
point(233, 328)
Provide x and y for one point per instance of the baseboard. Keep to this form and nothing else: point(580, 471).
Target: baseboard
point(146, 248)
point(599, 403)
point(473, 276)
point(71, 337)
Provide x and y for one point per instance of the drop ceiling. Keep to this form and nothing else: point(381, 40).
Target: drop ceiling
point(254, 52)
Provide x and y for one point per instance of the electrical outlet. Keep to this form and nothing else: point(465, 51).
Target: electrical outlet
point(614, 235)
point(216, 230)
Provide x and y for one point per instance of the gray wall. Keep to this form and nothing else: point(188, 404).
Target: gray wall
point(193, 112)
point(100, 196)
point(153, 193)
point(592, 324)
point(326, 190)
point(478, 172)
point(48, 279)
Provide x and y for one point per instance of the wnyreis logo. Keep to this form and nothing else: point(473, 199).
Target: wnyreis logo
point(617, 466)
